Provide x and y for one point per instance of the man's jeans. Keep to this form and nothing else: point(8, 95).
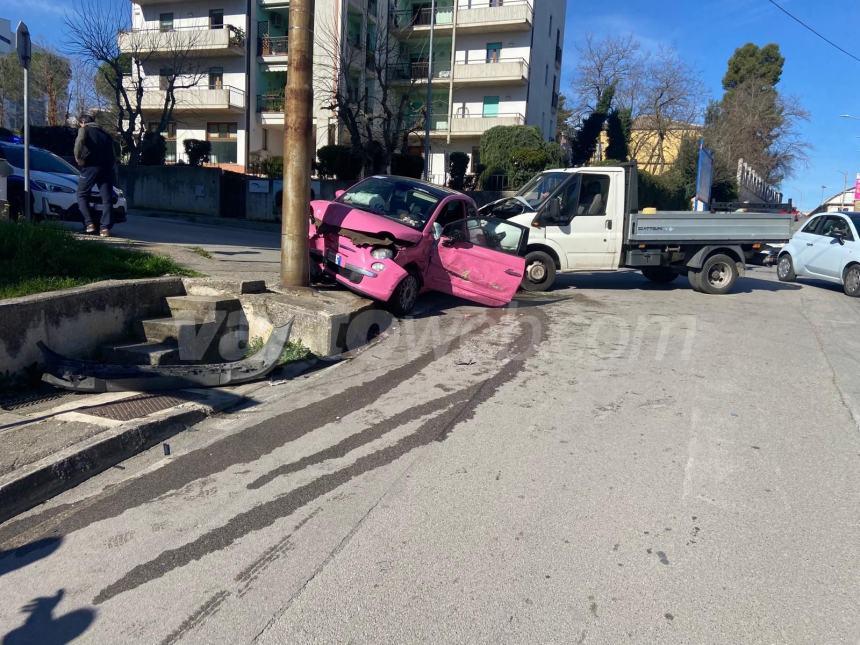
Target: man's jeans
point(103, 178)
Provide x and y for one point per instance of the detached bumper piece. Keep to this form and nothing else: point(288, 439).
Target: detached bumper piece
point(89, 376)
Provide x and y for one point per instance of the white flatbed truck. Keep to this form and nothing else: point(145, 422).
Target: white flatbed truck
point(587, 219)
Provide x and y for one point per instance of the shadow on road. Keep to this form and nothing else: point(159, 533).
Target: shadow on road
point(28, 554)
point(44, 628)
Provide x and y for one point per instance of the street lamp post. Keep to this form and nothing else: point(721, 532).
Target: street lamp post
point(844, 189)
point(429, 108)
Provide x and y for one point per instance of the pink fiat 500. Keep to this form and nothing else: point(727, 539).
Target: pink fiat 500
point(390, 238)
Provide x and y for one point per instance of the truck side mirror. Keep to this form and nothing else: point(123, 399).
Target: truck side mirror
point(5, 168)
point(552, 212)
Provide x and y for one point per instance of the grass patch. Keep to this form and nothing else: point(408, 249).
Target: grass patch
point(35, 258)
point(203, 253)
point(293, 350)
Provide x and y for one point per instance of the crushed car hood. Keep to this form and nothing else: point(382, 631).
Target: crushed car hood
point(341, 216)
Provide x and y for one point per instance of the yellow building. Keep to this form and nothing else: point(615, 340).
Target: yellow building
point(653, 148)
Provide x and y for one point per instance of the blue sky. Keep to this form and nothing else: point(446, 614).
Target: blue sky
point(705, 33)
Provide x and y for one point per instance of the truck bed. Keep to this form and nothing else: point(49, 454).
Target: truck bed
point(684, 226)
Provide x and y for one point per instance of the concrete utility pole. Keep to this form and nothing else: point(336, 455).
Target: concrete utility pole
point(298, 123)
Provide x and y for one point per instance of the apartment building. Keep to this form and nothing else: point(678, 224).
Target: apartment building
point(495, 62)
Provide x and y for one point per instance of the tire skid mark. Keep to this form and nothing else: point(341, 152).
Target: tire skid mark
point(462, 406)
point(207, 609)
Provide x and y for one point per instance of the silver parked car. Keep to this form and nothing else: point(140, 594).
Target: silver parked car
point(827, 247)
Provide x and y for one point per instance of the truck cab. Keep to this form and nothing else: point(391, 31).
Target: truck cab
point(576, 220)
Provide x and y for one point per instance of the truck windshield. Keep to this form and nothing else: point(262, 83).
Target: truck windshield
point(538, 190)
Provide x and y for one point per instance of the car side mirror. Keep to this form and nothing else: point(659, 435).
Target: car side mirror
point(338, 193)
point(840, 237)
point(5, 168)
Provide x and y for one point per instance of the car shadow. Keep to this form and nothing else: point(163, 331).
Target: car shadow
point(43, 627)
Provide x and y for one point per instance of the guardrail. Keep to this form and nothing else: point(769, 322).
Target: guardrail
point(235, 36)
point(423, 17)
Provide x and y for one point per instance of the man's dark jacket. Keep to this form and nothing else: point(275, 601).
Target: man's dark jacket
point(94, 147)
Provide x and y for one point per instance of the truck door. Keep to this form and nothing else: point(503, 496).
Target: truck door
point(587, 230)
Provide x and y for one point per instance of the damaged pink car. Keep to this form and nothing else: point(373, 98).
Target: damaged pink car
point(391, 238)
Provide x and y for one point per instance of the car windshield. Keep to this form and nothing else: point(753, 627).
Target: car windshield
point(538, 190)
point(40, 160)
point(401, 200)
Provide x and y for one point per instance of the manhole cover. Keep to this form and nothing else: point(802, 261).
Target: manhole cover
point(134, 407)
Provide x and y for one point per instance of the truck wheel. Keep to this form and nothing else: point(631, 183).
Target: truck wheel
point(540, 271)
point(785, 269)
point(695, 278)
point(851, 281)
point(719, 274)
point(405, 296)
point(660, 275)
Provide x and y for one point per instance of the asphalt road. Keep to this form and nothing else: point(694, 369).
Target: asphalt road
point(609, 462)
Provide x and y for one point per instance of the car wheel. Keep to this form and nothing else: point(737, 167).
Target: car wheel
point(539, 272)
point(851, 281)
point(785, 269)
point(719, 274)
point(405, 295)
point(660, 275)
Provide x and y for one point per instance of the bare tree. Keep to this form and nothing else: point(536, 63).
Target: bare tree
point(371, 87)
point(102, 36)
point(668, 108)
point(614, 61)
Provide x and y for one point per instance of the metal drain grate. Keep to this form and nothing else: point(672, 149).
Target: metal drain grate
point(36, 400)
point(134, 407)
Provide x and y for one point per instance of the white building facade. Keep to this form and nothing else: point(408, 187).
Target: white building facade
point(495, 62)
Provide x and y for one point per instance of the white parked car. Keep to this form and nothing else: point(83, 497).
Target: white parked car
point(827, 247)
point(53, 185)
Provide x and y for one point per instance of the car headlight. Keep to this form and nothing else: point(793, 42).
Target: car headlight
point(382, 253)
point(118, 193)
point(377, 266)
point(47, 187)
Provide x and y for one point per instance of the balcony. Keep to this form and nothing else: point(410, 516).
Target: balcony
point(471, 126)
point(407, 73)
point(270, 107)
point(201, 40)
point(272, 53)
point(505, 71)
point(513, 15)
point(482, 16)
point(197, 99)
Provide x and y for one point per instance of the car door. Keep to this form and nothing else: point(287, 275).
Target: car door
point(585, 231)
point(829, 253)
point(478, 259)
point(803, 242)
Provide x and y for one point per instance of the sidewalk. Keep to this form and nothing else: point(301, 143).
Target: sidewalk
point(213, 250)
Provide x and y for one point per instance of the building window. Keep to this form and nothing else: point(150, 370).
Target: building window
point(216, 19)
point(165, 22)
point(491, 106)
point(223, 140)
point(494, 52)
point(549, 33)
point(216, 78)
point(476, 159)
point(265, 144)
point(546, 76)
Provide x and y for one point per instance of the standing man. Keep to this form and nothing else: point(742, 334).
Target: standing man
point(95, 154)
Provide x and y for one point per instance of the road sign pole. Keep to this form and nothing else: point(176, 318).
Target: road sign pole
point(23, 47)
point(27, 202)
